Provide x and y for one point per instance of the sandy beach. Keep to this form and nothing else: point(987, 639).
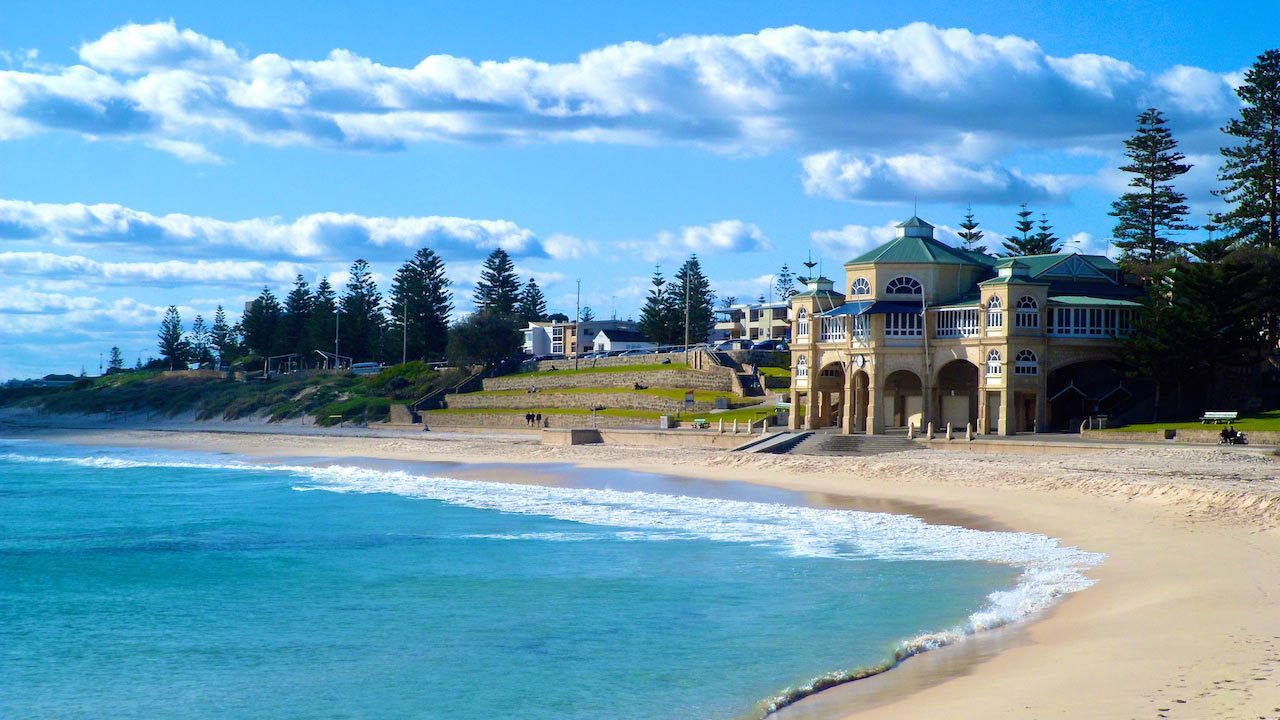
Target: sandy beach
point(1184, 621)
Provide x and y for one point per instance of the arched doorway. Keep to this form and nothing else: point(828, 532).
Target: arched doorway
point(957, 389)
point(861, 400)
point(1086, 389)
point(903, 401)
point(830, 388)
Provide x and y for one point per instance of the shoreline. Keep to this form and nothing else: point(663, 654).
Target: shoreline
point(1179, 599)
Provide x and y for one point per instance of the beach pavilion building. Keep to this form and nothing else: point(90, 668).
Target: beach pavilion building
point(921, 331)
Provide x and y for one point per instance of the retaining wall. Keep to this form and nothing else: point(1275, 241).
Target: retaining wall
point(1209, 435)
point(682, 378)
point(652, 359)
point(544, 399)
point(516, 420)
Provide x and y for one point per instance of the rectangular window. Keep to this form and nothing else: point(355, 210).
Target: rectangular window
point(903, 325)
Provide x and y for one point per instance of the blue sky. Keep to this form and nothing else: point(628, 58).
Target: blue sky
point(168, 153)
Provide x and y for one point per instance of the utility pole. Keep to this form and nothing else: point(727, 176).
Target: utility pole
point(577, 325)
point(686, 315)
point(404, 333)
point(336, 315)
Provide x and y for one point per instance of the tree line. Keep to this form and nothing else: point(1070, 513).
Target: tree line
point(412, 322)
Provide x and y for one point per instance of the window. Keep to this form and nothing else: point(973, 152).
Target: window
point(1025, 363)
point(995, 315)
point(1028, 314)
point(903, 325)
point(993, 363)
point(832, 329)
point(802, 367)
point(860, 287)
point(903, 286)
point(1097, 322)
point(957, 322)
point(802, 323)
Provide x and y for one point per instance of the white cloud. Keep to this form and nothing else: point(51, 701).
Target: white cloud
point(850, 241)
point(568, 247)
point(318, 236)
point(724, 237)
point(168, 272)
point(844, 176)
point(917, 88)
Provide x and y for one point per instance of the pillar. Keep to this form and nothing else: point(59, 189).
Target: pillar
point(1006, 412)
point(793, 419)
point(982, 402)
point(926, 402)
point(875, 421)
point(1042, 402)
point(847, 402)
point(859, 395)
point(811, 404)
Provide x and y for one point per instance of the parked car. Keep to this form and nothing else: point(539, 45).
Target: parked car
point(773, 345)
point(365, 368)
point(731, 345)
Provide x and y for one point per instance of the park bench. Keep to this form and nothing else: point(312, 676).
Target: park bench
point(701, 424)
point(1213, 418)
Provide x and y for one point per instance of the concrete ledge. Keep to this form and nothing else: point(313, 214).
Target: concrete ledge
point(571, 436)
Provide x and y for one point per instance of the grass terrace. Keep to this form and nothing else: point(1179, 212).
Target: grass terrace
point(1269, 420)
point(568, 370)
point(674, 394)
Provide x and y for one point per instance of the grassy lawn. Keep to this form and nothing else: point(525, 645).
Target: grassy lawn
point(1269, 420)
point(775, 371)
point(646, 414)
point(568, 370)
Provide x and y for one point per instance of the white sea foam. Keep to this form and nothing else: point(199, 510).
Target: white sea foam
point(1049, 570)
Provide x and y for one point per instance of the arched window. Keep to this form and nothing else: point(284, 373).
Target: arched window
point(1028, 314)
point(802, 323)
point(903, 286)
point(995, 315)
point(1024, 363)
point(993, 362)
point(802, 367)
point(860, 287)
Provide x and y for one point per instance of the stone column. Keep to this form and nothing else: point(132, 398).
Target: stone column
point(875, 423)
point(982, 401)
point(793, 420)
point(860, 416)
point(1006, 412)
point(1042, 402)
point(848, 402)
point(811, 404)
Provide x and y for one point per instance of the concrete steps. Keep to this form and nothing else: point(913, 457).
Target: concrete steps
point(839, 444)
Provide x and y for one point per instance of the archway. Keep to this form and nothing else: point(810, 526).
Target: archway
point(1085, 389)
point(829, 384)
point(903, 400)
point(957, 389)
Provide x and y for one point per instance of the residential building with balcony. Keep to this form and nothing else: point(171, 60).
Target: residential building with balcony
point(754, 321)
point(569, 339)
point(921, 332)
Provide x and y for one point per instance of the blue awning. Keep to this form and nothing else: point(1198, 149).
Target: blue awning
point(873, 307)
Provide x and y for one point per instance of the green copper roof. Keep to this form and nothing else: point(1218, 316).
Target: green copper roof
point(1095, 301)
point(914, 221)
point(916, 250)
point(1039, 264)
point(1010, 262)
point(1012, 281)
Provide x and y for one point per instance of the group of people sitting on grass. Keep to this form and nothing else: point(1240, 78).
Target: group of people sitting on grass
point(1229, 436)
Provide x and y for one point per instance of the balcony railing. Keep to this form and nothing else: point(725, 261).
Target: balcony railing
point(958, 323)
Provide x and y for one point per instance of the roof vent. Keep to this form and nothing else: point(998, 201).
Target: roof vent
point(915, 227)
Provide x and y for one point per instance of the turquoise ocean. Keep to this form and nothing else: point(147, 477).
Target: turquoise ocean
point(148, 584)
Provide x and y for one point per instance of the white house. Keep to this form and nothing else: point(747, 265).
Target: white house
point(616, 340)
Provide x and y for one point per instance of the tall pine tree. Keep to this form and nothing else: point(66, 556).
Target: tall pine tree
point(1251, 169)
point(1014, 245)
point(785, 284)
point(297, 313)
point(693, 300)
point(1045, 242)
point(173, 346)
point(321, 325)
point(115, 362)
point(362, 323)
point(261, 324)
point(420, 287)
point(1148, 216)
point(533, 305)
point(201, 352)
point(223, 338)
point(499, 288)
point(970, 235)
point(658, 316)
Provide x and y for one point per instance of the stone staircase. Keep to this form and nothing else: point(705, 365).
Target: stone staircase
point(839, 444)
